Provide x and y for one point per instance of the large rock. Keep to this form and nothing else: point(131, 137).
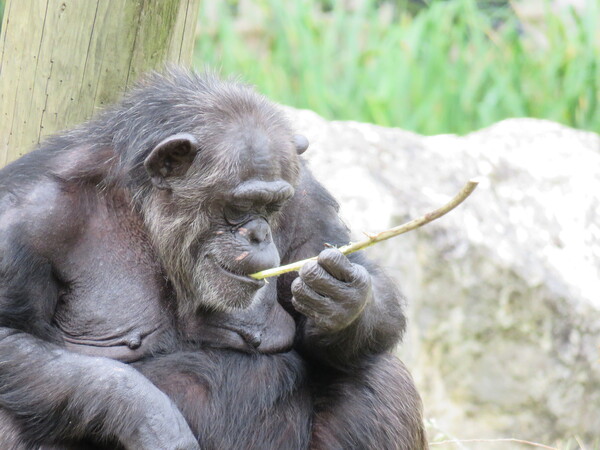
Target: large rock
point(504, 292)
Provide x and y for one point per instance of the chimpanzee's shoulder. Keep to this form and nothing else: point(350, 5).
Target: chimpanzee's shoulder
point(36, 208)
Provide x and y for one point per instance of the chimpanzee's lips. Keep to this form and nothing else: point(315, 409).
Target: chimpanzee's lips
point(238, 276)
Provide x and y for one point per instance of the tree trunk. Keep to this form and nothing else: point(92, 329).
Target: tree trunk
point(61, 59)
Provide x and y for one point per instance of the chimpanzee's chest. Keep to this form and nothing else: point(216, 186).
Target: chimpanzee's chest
point(113, 300)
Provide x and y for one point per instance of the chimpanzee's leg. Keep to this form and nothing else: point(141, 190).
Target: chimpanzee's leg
point(376, 406)
point(233, 400)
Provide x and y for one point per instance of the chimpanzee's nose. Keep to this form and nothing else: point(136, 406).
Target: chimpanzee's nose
point(258, 231)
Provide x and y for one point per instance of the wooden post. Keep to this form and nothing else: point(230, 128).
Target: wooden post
point(62, 59)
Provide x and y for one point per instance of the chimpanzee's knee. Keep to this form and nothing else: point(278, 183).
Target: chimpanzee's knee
point(376, 406)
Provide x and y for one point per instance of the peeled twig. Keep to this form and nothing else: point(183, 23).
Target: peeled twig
point(372, 239)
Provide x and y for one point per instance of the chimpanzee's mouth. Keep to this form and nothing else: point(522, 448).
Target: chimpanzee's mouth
point(238, 276)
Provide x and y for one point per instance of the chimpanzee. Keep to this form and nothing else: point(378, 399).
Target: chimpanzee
point(127, 315)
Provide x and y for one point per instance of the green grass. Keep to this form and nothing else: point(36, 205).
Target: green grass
point(1, 13)
point(447, 69)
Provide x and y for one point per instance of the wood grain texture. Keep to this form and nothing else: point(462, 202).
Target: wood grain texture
point(62, 59)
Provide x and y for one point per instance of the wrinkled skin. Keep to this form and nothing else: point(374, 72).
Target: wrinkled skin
point(127, 317)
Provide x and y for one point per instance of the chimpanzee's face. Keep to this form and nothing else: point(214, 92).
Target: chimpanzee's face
point(219, 197)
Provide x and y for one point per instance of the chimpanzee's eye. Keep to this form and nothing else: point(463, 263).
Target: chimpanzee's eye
point(237, 214)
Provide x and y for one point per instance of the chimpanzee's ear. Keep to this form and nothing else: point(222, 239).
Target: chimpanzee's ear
point(301, 143)
point(173, 156)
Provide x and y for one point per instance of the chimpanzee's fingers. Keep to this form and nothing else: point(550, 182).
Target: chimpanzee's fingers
point(337, 264)
point(308, 302)
point(318, 279)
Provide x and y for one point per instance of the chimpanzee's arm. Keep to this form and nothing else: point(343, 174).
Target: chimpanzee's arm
point(55, 394)
point(351, 309)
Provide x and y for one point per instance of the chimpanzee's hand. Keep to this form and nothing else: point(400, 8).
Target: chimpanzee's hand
point(162, 429)
point(332, 291)
point(161, 425)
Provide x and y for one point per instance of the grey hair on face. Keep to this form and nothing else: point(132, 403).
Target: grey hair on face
point(173, 237)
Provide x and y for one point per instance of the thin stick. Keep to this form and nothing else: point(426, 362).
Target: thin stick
point(372, 239)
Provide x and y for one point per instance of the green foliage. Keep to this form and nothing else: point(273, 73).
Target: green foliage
point(1, 13)
point(451, 68)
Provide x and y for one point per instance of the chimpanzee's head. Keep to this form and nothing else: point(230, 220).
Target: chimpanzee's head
point(226, 164)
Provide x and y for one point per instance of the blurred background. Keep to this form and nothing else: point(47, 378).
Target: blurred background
point(428, 66)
